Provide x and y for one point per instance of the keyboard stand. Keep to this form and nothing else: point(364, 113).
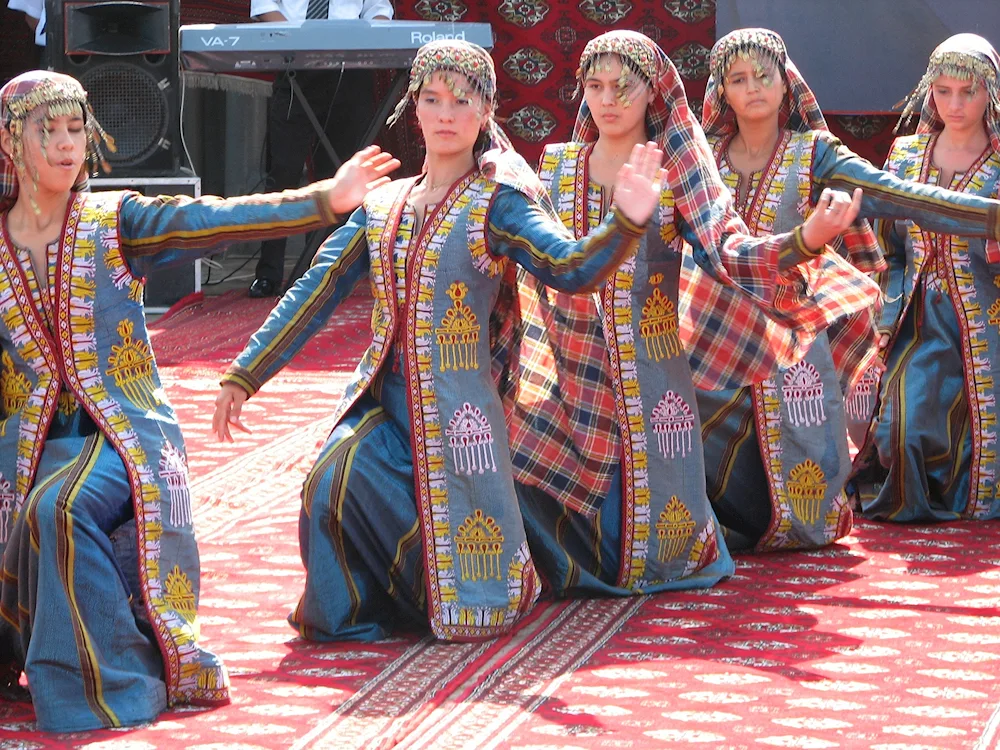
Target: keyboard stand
point(317, 237)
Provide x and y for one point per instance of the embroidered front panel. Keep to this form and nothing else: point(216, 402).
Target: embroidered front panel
point(956, 267)
point(477, 584)
point(388, 231)
point(30, 381)
point(639, 322)
point(121, 407)
point(799, 415)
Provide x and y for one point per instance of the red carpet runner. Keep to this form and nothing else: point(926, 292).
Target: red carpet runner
point(890, 641)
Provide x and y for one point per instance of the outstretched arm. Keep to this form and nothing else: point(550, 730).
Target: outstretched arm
point(340, 264)
point(933, 208)
point(164, 231)
point(524, 231)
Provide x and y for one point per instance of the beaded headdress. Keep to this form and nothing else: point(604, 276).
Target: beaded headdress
point(764, 50)
point(61, 95)
point(494, 153)
point(967, 57)
point(449, 55)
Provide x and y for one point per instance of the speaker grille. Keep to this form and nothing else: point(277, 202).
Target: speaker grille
point(131, 107)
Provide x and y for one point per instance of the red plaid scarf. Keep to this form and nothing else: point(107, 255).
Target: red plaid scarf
point(563, 428)
point(853, 338)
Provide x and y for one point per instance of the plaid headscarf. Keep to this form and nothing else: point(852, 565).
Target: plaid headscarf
point(851, 337)
point(967, 57)
point(495, 155)
point(61, 95)
point(563, 426)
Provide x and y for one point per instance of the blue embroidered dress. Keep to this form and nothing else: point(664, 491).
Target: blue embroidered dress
point(100, 580)
point(409, 513)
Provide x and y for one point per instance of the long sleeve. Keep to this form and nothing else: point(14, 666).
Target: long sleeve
point(169, 230)
point(372, 8)
point(932, 208)
point(522, 231)
point(340, 264)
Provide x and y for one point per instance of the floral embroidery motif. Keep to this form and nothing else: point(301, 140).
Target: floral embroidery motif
point(658, 324)
point(470, 438)
point(131, 365)
point(673, 423)
point(803, 395)
point(479, 542)
point(673, 530)
point(458, 334)
point(806, 490)
point(174, 471)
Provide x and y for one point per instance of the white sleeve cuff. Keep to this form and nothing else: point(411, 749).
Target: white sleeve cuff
point(259, 7)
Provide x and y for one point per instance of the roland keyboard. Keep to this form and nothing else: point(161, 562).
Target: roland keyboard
point(316, 45)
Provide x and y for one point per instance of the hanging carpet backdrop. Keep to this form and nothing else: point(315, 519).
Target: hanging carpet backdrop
point(538, 43)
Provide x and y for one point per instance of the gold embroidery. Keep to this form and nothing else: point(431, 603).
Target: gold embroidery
point(458, 335)
point(658, 324)
point(67, 403)
point(479, 541)
point(208, 679)
point(673, 529)
point(806, 488)
point(180, 594)
point(14, 386)
point(131, 365)
point(994, 313)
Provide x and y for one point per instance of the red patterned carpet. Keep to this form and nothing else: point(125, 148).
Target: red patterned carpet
point(889, 641)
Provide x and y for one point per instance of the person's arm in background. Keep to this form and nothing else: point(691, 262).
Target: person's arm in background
point(267, 10)
point(376, 10)
point(32, 10)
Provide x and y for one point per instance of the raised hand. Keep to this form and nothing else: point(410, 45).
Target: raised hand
point(228, 406)
point(638, 183)
point(835, 211)
point(364, 171)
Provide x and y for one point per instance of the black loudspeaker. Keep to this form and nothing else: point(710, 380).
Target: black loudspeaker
point(125, 55)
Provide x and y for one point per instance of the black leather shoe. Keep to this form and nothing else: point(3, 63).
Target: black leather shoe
point(263, 288)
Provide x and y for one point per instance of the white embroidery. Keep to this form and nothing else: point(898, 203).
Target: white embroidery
point(471, 440)
point(174, 471)
point(862, 400)
point(673, 423)
point(803, 394)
